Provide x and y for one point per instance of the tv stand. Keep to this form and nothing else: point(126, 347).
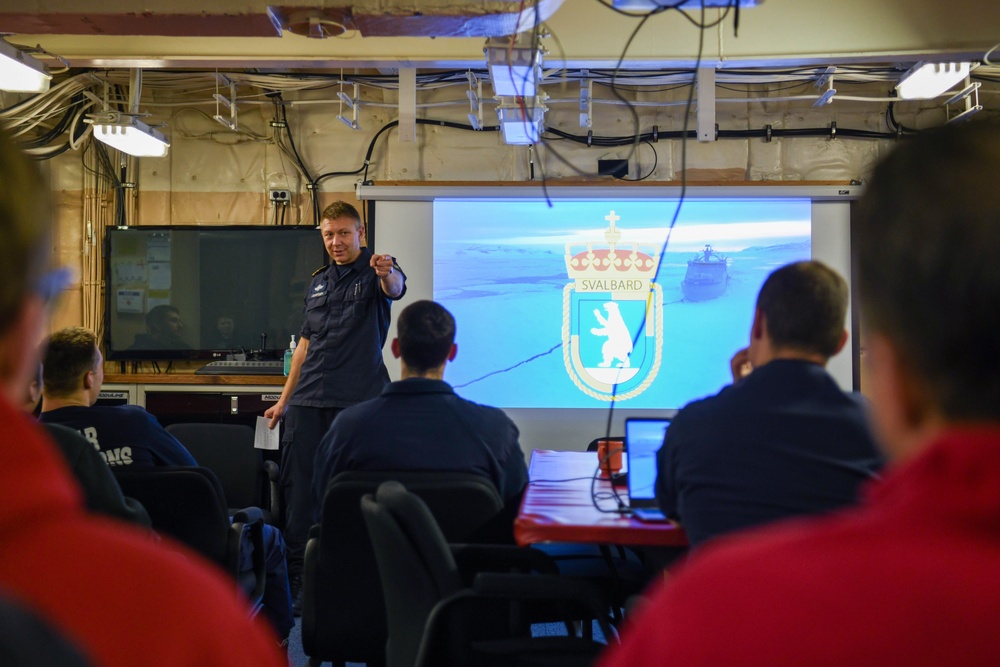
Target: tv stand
point(188, 398)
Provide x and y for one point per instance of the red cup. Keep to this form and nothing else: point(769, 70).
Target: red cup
point(609, 456)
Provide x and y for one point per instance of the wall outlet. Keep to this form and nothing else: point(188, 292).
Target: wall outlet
point(279, 196)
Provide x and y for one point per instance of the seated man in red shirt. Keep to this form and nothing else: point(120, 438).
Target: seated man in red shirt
point(910, 577)
point(111, 589)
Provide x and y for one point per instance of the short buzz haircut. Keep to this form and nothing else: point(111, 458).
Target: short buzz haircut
point(805, 305)
point(927, 232)
point(26, 228)
point(341, 209)
point(426, 332)
point(69, 355)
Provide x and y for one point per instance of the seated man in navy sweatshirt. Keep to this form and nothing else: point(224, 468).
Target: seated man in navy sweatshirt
point(128, 436)
point(420, 423)
point(783, 440)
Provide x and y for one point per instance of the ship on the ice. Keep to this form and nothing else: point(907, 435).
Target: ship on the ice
point(707, 276)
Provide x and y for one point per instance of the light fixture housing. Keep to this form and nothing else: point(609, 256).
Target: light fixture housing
point(515, 67)
point(20, 73)
point(649, 5)
point(130, 135)
point(926, 80)
point(521, 125)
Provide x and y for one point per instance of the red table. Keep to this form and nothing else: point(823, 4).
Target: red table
point(557, 507)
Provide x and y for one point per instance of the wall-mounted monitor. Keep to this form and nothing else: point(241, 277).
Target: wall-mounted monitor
point(568, 303)
point(200, 292)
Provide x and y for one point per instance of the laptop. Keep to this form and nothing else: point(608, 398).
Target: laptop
point(643, 439)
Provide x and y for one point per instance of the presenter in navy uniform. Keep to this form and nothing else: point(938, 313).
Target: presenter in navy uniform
point(337, 361)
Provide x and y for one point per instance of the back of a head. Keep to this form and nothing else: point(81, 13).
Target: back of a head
point(928, 230)
point(426, 331)
point(69, 354)
point(25, 230)
point(805, 304)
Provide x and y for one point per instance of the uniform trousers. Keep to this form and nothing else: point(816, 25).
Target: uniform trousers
point(304, 427)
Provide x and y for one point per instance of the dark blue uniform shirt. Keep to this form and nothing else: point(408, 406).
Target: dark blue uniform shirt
point(346, 322)
point(124, 435)
point(421, 424)
point(781, 442)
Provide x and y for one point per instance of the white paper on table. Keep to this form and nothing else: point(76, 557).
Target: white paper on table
point(264, 437)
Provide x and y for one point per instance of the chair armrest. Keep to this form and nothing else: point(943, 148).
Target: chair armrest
point(271, 468)
point(518, 587)
point(474, 558)
point(310, 582)
point(547, 588)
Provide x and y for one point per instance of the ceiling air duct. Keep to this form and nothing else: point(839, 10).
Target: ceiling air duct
point(414, 18)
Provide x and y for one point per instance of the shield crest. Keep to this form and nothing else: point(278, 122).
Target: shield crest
point(612, 318)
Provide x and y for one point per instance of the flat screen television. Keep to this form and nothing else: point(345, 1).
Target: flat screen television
point(544, 289)
point(200, 292)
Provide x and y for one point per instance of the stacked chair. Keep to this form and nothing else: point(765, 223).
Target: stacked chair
point(438, 617)
point(343, 611)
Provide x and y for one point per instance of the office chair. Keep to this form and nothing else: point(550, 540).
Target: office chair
point(187, 504)
point(227, 450)
point(343, 612)
point(435, 619)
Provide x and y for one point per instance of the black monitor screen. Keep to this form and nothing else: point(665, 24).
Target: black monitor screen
point(204, 292)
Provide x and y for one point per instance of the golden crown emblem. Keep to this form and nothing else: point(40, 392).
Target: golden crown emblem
point(613, 260)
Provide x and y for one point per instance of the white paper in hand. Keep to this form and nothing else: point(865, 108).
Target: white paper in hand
point(264, 437)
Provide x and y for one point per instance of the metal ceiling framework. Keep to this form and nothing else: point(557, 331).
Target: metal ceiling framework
point(260, 47)
point(587, 33)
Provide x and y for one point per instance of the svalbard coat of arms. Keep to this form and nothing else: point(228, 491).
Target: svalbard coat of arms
point(612, 325)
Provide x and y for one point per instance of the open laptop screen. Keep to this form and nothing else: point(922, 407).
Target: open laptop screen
point(643, 439)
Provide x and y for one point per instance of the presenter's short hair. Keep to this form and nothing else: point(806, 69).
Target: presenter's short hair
point(69, 355)
point(928, 238)
point(805, 304)
point(426, 332)
point(341, 209)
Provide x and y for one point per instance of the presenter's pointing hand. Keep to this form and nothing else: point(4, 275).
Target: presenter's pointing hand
point(382, 265)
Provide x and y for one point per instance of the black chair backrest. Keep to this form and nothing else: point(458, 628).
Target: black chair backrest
point(227, 450)
point(415, 564)
point(185, 503)
point(344, 612)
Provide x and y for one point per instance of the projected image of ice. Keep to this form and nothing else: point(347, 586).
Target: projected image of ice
point(567, 306)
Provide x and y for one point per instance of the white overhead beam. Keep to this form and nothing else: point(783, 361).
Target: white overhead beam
point(772, 34)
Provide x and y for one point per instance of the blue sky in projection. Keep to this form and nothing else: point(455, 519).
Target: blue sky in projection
point(499, 267)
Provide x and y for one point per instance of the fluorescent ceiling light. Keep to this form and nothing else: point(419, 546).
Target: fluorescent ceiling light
point(514, 67)
point(20, 73)
point(520, 128)
point(130, 135)
point(926, 80)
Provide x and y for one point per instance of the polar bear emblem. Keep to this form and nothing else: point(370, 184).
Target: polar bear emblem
point(619, 340)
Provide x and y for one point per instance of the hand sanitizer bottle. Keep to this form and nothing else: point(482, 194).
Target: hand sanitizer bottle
point(288, 356)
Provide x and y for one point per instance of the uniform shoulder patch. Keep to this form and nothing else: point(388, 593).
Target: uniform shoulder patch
point(319, 271)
